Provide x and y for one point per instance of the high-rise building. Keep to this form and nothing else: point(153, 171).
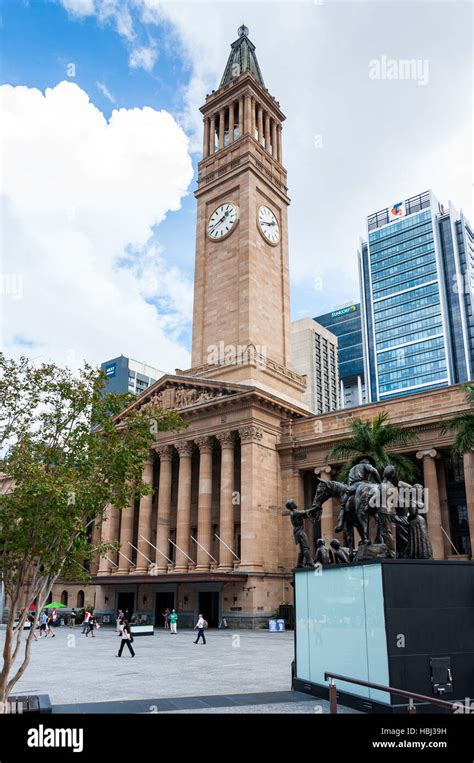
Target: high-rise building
point(128, 375)
point(346, 323)
point(314, 351)
point(417, 285)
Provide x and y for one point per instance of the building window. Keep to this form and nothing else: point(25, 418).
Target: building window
point(64, 598)
point(80, 599)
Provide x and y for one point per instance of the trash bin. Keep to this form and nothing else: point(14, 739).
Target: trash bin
point(272, 626)
point(280, 625)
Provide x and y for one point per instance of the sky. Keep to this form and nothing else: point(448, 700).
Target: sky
point(101, 134)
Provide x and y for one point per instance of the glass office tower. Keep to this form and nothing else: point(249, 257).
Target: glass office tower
point(345, 322)
point(417, 285)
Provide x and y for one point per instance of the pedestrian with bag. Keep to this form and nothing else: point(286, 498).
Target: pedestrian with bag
point(127, 639)
point(200, 626)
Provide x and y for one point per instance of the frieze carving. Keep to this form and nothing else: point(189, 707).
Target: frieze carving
point(251, 433)
point(182, 396)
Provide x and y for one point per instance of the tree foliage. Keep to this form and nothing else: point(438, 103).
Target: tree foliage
point(376, 438)
point(462, 425)
point(67, 455)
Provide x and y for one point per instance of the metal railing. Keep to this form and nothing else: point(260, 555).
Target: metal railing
point(410, 695)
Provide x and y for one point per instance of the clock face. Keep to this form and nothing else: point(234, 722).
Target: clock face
point(268, 225)
point(222, 221)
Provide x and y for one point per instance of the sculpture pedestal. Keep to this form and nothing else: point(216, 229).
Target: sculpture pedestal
point(385, 622)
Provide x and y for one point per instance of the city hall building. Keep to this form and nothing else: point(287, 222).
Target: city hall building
point(213, 536)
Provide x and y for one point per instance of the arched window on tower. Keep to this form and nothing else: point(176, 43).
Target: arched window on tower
point(80, 600)
point(64, 598)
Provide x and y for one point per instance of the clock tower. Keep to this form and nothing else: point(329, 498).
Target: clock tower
point(241, 321)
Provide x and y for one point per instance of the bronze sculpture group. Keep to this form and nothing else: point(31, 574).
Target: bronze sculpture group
point(392, 503)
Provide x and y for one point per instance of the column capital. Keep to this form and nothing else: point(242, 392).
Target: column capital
point(165, 452)
point(204, 444)
point(184, 448)
point(430, 453)
point(251, 433)
point(226, 439)
point(324, 472)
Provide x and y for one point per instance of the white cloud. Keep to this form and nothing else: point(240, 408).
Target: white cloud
point(143, 58)
point(81, 196)
point(105, 91)
point(79, 8)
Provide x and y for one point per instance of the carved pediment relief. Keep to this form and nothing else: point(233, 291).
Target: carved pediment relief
point(184, 395)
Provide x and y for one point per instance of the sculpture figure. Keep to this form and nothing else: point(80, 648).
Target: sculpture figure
point(340, 554)
point(297, 520)
point(419, 544)
point(323, 555)
point(363, 469)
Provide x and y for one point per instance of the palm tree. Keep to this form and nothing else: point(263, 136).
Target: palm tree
point(462, 425)
point(374, 438)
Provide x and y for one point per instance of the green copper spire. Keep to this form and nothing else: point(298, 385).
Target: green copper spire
point(242, 58)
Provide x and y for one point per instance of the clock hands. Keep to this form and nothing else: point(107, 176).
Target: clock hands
point(226, 214)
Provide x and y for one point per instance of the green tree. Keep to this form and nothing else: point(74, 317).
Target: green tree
point(376, 438)
point(68, 452)
point(462, 425)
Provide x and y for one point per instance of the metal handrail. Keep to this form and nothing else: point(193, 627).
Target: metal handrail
point(390, 689)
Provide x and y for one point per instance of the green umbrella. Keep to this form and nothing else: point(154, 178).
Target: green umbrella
point(55, 605)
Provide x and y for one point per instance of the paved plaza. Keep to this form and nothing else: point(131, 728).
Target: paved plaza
point(236, 671)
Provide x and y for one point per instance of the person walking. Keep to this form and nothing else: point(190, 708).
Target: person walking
point(92, 623)
point(43, 624)
point(127, 639)
point(85, 622)
point(173, 621)
point(200, 625)
point(49, 627)
point(72, 618)
point(166, 617)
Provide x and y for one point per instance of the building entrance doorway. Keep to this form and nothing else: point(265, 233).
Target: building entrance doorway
point(164, 600)
point(209, 607)
point(126, 601)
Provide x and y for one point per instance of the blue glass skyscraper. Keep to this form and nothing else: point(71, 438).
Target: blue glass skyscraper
point(345, 322)
point(417, 287)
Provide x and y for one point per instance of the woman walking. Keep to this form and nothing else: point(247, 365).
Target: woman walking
point(127, 639)
point(92, 623)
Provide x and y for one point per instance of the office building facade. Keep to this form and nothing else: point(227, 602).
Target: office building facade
point(128, 375)
point(417, 286)
point(346, 323)
point(314, 350)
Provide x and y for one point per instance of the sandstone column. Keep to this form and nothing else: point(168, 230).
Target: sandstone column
point(247, 115)
point(183, 521)
point(205, 148)
point(226, 513)
point(274, 138)
point(267, 131)
point(241, 116)
point(165, 454)
point(221, 128)
point(144, 521)
point(126, 537)
point(432, 501)
point(250, 441)
point(105, 567)
point(260, 124)
point(231, 122)
point(468, 460)
point(331, 507)
point(279, 149)
point(212, 136)
point(204, 503)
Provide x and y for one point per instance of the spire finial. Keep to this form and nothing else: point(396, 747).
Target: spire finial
point(243, 31)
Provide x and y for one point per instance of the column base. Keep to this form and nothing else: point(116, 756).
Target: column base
point(225, 568)
point(201, 568)
point(139, 571)
point(181, 568)
point(122, 571)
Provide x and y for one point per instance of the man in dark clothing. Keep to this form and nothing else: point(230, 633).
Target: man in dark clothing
point(297, 520)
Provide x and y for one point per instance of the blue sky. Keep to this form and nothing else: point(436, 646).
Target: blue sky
point(351, 146)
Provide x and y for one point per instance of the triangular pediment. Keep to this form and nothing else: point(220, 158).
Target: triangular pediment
point(179, 392)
